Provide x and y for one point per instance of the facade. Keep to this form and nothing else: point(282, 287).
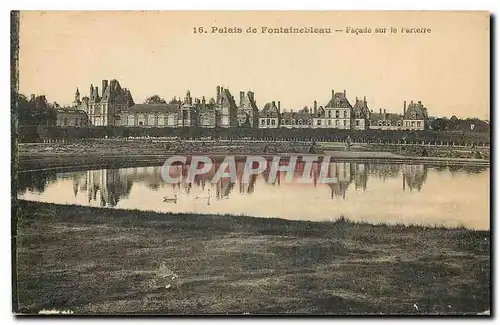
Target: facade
point(69, 116)
point(270, 116)
point(104, 109)
point(190, 112)
point(386, 121)
point(338, 112)
point(414, 116)
point(301, 119)
point(227, 108)
point(115, 107)
point(151, 115)
point(248, 113)
point(360, 115)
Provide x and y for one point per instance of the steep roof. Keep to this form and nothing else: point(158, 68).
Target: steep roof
point(385, 116)
point(300, 115)
point(70, 110)
point(361, 109)
point(227, 98)
point(339, 100)
point(416, 111)
point(269, 110)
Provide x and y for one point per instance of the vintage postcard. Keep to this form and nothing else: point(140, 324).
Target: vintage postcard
point(251, 162)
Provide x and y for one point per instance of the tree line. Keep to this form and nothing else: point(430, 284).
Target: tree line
point(36, 110)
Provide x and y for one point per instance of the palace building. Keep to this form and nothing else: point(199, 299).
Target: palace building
point(114, 106)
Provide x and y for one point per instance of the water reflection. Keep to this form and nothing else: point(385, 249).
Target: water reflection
point(368, 190)
point(108, 186)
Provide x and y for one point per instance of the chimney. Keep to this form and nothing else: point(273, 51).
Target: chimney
point(91, 91)
point(104, 85)
point(364, 99)
point(404, 107)
point(344, 93)
point(279, 105)
point(242, 98)
point(96, 91)
point(384, 110)
point(420, 102)
point(315, 107)
point(218, 94)
point(273, 103)
point(333, 93)
point(380, 111)
point(357, 99)
point(203, 100)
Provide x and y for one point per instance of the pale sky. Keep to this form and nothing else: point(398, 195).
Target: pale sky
point(158, 53)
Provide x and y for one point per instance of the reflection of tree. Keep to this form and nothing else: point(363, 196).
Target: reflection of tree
point(414, 176)
point(34, 181)
point(470, 169)
point(360, 176)
point(384, 171)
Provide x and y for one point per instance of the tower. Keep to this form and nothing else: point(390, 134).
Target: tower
point(76, 101)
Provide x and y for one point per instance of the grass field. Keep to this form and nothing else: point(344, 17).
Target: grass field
point(91, 260)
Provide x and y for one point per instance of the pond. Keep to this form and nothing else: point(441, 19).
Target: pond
point(371, 192)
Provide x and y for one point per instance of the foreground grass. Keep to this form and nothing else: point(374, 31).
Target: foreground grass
point(91, 260)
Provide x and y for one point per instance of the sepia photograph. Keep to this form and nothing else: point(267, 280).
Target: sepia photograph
point(251, 163)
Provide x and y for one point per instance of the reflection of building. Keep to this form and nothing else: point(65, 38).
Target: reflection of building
point(414, 176)
point(106, 187)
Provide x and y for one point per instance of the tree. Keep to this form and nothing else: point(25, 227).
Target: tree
point(155, 99)
point(439, 124)
point(35, 111)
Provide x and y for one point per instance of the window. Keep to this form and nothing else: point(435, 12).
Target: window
point(130, 120)
point(337, 114)
point(345, 122)
point(413, 123)
point(336, 122)
point(329, 114)
point(65, 121)
point(141, 120)
point(151, 120)
point(161, 119)
point(345, 114)
point(329, 122)
point(262, 122)
point(76, 121)
point(357, 122)
point(418, 123)
point(319, 122)
point(273, 122)
point(268, 121)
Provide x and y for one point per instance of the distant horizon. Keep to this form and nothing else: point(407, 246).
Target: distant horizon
point(448, 69)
